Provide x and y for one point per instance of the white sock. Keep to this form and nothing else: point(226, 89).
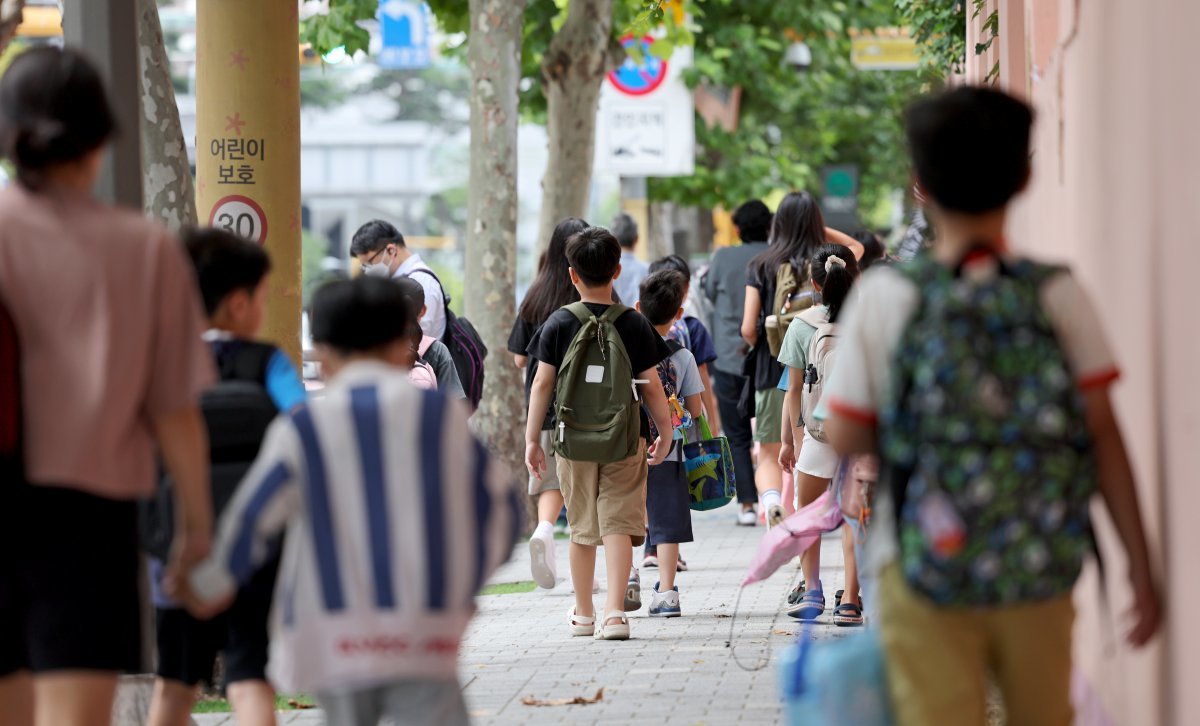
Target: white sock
point(544, 528)
point(770, 497)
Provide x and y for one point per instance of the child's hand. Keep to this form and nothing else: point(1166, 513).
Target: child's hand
point(787, 457)
point(178, 588)
point(1146, 612)
point(657, 453)
point(535, 458)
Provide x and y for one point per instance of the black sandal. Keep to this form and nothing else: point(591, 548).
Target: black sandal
point(848, 615)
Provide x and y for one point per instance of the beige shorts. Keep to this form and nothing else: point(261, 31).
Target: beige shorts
point(549, 482)
point(604, 499)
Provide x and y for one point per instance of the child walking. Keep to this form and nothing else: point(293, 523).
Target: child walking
point(808, 352)
point(982, 379)
point(379, 580)
point(233, 277)
point(667, 508)
point(597, 361)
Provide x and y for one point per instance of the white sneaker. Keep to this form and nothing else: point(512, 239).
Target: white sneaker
point(664, 604)
point(541, 556)
point(747, 518)
point(775, 515)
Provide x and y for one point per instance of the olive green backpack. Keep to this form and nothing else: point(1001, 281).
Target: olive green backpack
point(596, 403)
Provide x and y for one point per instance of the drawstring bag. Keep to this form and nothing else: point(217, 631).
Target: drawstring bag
point(836, 682)
point(709, 466)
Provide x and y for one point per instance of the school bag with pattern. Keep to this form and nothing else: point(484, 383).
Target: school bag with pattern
point(709, 466)
point(820, 358)
point(595, 400)
point(985, 442)
point(669, 377)
point(794, 294)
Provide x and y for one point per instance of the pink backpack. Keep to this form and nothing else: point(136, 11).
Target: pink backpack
point(421, 375)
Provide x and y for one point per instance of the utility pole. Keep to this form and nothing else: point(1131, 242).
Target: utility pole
point(248, 141)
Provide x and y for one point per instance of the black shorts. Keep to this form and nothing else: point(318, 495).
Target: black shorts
point(667, 507)
point(69, 587)
point(187, 647)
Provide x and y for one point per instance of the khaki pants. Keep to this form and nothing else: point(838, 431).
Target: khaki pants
point(604, 499)
point(938, 658)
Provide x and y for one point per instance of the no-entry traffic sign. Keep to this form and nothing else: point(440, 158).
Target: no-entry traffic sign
point(638, 79)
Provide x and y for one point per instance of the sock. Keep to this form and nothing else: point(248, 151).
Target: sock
point(769, 498)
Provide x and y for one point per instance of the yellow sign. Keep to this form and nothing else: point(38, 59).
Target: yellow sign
point(40, 22)
point(248, 141)
point(884, 49)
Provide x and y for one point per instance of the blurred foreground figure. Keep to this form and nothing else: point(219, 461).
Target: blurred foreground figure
point(982, 379)
point(108, 323)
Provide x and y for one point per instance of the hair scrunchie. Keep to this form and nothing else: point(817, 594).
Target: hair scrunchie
point(833, 261)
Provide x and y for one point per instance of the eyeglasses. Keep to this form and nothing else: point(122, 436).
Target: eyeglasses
point(371, 260)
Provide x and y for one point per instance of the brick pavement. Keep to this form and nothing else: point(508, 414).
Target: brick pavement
point(676, 671)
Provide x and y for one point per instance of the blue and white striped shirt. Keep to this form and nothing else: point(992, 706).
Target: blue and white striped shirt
point(395, 517)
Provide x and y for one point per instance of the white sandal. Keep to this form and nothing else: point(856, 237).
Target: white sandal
point(613, 631)
point(581, 624)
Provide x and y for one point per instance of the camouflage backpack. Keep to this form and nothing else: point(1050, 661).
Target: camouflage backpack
point(985, 442)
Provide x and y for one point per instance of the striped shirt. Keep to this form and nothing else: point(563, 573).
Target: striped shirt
point(395, 517)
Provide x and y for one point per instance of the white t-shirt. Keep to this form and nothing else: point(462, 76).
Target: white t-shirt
point(879, 310)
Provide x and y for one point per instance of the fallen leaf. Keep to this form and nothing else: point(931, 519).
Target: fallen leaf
point(576, 701)
point(298, 705)
point(783, 632)
point(697, 661)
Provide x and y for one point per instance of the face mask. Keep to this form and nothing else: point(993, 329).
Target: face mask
point(379, 269)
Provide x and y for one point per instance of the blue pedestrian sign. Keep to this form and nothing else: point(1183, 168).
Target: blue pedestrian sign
point(639, 78)
point(407, 29)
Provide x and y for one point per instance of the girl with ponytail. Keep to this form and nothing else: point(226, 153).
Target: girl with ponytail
point(807, 353)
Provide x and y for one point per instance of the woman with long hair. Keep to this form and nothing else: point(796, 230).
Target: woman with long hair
point(797, 232)
point(551, 290)
point(109, 324)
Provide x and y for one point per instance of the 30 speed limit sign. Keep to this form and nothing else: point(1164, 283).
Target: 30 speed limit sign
point(240, 215)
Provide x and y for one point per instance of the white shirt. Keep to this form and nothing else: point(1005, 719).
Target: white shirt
point(433, 322)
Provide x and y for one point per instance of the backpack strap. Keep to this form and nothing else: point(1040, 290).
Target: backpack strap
point(614, 311)
point(673, 345)
point(426, 343)
point(445, 297)
point(580, 311)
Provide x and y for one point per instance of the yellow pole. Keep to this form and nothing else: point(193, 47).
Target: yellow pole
point(248, 141)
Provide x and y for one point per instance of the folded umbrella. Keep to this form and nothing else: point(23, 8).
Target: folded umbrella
point(793, 536)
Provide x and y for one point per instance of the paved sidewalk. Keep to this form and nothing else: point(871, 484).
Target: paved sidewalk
point(676, 671)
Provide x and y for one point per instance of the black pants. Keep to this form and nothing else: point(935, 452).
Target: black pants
point(728, 388)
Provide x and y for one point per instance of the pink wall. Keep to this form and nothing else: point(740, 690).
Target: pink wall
point(1116, 192)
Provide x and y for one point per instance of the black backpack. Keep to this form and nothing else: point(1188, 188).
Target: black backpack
point(466, 347)
point(11, 469)
point(237, 412)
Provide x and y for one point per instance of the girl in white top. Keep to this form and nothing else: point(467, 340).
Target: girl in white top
point(834, 270)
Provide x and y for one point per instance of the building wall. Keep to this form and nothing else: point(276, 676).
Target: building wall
point(1116, 193)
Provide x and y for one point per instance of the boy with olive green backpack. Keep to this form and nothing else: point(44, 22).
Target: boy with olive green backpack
point(589, 353)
